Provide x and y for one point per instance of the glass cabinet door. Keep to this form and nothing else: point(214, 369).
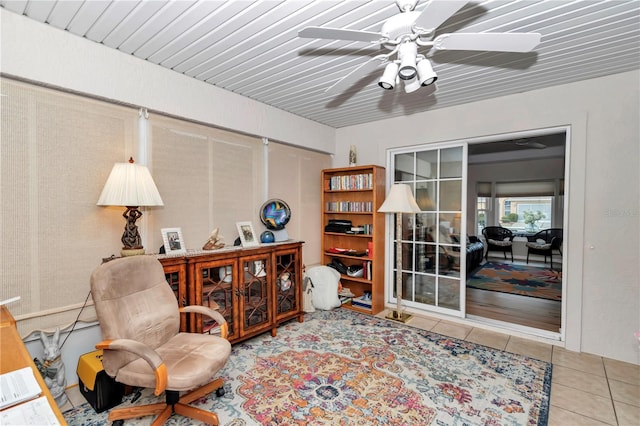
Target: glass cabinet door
point(217, 292)
point(253, 293)
point(176, 278)
point(286, 276)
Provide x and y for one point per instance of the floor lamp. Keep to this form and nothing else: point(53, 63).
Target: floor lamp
point(400, 200)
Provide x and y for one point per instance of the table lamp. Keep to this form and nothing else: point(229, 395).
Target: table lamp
point(398, 201)
point(130, 185)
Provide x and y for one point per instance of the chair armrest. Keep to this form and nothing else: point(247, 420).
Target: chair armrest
point(143, 351)
point(214, 315)
point(556, 242)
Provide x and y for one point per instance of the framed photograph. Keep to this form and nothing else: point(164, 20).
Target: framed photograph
point(173, 241)
point(247, 235)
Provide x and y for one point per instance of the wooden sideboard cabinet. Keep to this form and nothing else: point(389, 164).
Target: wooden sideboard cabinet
point(255, 289)
point(175, 271)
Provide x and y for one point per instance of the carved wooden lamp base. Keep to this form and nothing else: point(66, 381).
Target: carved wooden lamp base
point(131, 252)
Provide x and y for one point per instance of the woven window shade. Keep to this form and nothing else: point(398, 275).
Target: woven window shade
point(57, 151)
point(56, 154)
point(525, 189)
point(484, 189)
point(294, 176)
point(208, 178)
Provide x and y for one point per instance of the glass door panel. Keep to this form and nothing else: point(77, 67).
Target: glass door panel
point(426, 164)
point(433, 240)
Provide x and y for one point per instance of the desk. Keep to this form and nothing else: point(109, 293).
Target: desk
point(14, 355)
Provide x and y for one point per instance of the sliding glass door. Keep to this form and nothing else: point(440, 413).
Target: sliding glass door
point(432, 268)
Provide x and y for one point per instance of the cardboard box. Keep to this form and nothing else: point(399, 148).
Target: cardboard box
point(100, 390)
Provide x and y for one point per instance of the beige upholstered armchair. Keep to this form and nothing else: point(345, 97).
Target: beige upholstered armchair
point(140, 320)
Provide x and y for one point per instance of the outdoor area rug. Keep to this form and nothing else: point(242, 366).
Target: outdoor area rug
point(518, 279)
point(345, 368)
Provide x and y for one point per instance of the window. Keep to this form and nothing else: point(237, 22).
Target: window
point(56, 153)
point(525, 214)
point(482, 212)
point(208, 178)
point(294, 176)
point(524, 207)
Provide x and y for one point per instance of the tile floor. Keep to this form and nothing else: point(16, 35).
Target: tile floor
point(586, 390)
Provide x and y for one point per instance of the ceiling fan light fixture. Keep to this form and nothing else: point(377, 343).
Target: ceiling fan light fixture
point(412, 85)
point(407, 54)
point(388, 79)
point(426, 74)
point(404, 33)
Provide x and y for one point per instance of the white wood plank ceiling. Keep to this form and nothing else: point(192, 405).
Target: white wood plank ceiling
point(252, 48)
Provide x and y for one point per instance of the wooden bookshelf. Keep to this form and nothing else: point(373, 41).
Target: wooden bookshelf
point(355, 194)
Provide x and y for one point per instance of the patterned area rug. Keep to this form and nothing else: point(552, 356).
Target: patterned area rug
point(344, 368)
point(518, 279)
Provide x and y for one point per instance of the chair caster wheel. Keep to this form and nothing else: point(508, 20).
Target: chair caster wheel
point(219, 392)
point(117, 423)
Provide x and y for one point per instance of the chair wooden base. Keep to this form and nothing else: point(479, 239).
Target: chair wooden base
point(165, 410)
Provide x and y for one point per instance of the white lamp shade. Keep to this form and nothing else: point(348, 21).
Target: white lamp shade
point(407, 53)
point(412, 85)
point(399, 200)
point(426, 74)
point(388, 79)
point(131, 185)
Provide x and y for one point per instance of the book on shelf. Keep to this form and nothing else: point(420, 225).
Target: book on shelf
point(345, 299)
point(362, 302)
point(366, 270)
point(350, 182)
point(345, 292)
point(349, 206)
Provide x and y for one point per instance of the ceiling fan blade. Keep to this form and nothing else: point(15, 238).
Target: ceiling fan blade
point(339, 34)
point(499, 42)
point(536, 145)
point(355, 75)
point(438, 11)
point(528, 143)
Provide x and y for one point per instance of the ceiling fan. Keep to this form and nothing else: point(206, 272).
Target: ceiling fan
point(407, 32)
point(529, 143)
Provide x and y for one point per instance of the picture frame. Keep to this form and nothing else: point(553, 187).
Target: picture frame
point(173, 241)
point(248, 236)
